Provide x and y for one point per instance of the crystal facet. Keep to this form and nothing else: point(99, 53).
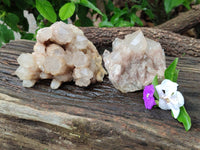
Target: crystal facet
point(62, 53)
point(134, 62)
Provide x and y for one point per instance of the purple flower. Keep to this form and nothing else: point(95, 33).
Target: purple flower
point(148, 98)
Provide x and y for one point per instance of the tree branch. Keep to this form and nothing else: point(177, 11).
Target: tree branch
point(182, 22)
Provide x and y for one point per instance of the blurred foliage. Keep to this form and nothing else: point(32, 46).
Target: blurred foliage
point(81, 13)
point(126, 17)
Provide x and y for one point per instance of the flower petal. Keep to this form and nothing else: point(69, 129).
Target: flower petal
point(170, 98)
point(180, 99)
point(148, 98)
point(159, 90)
point(150, 103)
point(169, 87)
point(163, 104)
point(176, 112)
point(173, 105)
point(177, 99)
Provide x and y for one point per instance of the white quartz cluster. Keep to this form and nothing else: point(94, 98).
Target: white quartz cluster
point(134, 62)
point(62, 53)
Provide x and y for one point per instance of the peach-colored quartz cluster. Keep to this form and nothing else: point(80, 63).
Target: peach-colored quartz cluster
point(134, 62)
point(62, 53)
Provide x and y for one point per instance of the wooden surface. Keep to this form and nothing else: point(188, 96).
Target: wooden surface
point(97, 117)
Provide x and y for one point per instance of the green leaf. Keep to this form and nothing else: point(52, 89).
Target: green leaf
point(39, 18)
point(184, 118)
point(83, 20)
point(7, 2)
point(170, 4)
point(105, 23)
point(77, 23)
point(86, 22)
point(187, 3)
point(28, 36)
point(5, 34)
point(149, 13)
point(157, 103)
point(136, 19)
point(24, 4)
point(31, 3)
point(135, 8)
point(82, 12)
point(88, 4)
point(110, 5)
point(46, 10)
point(66, 11)
point(75, 1)
point(171, 73)
point(176, 75)
point(2, 15)
point(123, 23)
point(155, 83)
point(12, 20)
point(115, 18)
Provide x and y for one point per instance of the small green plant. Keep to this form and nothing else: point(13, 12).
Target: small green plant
point(171, 4)
point(125, 17)
point(66, 11)
point(11, 15)
point(167, 96)
point(5, 34)
point(47, 12)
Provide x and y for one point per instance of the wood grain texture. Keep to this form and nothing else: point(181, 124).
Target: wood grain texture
point(96, 117)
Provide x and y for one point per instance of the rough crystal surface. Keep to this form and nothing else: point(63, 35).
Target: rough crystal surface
point(134, 62)
point(62, 53)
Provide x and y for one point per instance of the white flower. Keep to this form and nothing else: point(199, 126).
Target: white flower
point(169, 97)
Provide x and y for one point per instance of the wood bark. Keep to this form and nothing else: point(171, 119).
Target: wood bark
point(183, 22)
point(96, 117)
point(173, 44)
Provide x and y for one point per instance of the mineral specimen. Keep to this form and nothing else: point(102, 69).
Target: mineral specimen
point(62, 53)
point(134, 62)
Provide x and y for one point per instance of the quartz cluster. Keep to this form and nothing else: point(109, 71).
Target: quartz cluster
point(62, 53)
point(134, 62)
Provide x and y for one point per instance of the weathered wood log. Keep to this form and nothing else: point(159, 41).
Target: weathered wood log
point(96, 117)
point(173, 44)
point(183, 22)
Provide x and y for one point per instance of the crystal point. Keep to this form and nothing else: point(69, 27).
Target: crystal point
point(62, 53)
point(134, 62)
